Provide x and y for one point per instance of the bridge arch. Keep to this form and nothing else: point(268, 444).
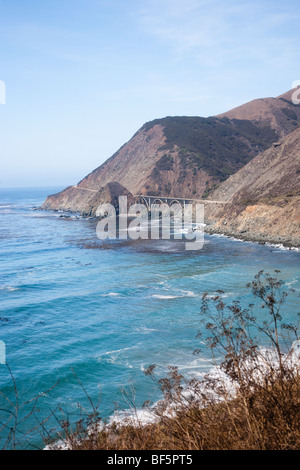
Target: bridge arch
point(142, 200)
point(157, 201)
point(175, 201)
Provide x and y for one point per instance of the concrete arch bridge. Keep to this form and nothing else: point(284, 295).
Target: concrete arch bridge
point(150, 201)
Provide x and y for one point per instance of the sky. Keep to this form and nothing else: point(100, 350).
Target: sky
point(82, 76)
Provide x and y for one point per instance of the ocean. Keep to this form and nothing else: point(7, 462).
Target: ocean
point(73, 308)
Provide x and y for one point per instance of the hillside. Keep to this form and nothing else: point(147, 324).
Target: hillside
point(184, 156)
point(279, 113)
point(86, 201)
point(201, 152)
point(263, 197)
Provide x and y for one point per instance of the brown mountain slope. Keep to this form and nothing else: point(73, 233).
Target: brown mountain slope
point(86, 201)
point(264, 196)
point(280, 113)
point(130, 167)
point(185, 156)
point(175, 156)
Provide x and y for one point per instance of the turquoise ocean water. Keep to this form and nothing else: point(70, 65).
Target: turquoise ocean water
point(108, 310)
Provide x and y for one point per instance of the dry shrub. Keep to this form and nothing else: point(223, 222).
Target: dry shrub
point(251, 401)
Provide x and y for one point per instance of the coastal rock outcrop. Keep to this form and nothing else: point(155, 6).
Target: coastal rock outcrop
point(247, 157)
point(86, 201)
point(263, 198)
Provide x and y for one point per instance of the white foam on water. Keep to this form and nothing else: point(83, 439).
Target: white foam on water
point(59, 445)
point(145, 330)
point(146, 416)
point(182, 294)
point(189, 293)
point(115, 351)
point(111, 294)
point(165, 297)
point(278, 246)
point(9, 288)
point(114, 355)
point(281, 247)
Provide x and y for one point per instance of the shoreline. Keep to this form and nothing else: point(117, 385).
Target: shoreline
point(261, 238)
point(210, 229)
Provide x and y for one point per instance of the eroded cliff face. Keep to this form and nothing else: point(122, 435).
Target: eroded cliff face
point(263, 197)
point(86, 201)
point(274, 223)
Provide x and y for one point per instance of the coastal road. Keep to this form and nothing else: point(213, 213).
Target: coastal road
point(163, 199)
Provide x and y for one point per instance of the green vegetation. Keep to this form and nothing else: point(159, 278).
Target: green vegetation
point(290, 114)
point(165, 163)
point(218, 146)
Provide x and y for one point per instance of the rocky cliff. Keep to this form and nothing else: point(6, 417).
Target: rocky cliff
point(193, 157)
point(263, 198)
point(85, 201)
point(174, 156)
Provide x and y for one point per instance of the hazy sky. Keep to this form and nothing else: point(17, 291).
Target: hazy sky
point(82, 76)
